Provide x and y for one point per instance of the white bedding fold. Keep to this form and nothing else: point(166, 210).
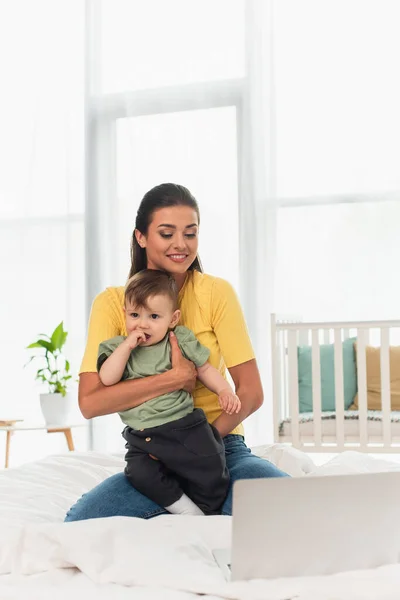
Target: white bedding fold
point(169, 557)
point(172, 553)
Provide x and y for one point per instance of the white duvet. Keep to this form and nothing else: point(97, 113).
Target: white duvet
point(166, 558)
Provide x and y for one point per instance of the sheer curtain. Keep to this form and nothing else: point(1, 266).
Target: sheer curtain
point(41, 200)
point(176, 93)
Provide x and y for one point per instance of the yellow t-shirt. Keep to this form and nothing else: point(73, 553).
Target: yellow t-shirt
point(209, 307)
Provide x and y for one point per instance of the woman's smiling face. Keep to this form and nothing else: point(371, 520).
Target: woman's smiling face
point(171, 242)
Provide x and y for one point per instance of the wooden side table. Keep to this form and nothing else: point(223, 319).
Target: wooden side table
point(11, 426)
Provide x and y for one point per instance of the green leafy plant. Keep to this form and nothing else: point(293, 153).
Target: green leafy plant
point(55, 370)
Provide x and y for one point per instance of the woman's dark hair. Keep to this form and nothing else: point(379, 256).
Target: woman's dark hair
point(161, 196)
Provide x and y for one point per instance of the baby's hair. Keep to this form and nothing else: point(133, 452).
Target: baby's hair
point(148, 283)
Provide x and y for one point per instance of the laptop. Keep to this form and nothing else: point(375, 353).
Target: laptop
point(306, 526)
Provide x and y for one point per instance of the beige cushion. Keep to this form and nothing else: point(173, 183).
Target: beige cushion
point(373, 356)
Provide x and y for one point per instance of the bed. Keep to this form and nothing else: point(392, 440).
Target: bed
point(336, 385)
point(168, 557)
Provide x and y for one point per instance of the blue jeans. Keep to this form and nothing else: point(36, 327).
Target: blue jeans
point(116, 497)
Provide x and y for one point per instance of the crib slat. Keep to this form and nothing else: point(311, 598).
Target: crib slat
point(293, 387)
point(346, 334)
point(303, 337)
point(316, 386)
point(284, 362)
point(339, 394)
point(362, 387)
point(385, 386)
point(276, 380)
point(326, 336)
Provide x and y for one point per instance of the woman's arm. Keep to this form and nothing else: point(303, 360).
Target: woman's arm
point(249, 390)
point(230, 329)
point(96, 399)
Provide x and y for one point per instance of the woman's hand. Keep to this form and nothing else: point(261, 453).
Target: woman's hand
point(184, 370)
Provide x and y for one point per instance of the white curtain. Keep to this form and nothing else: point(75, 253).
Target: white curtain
point(258, 205)
point(41, 201)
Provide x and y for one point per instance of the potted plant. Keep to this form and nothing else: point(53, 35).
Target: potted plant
point(54, 372)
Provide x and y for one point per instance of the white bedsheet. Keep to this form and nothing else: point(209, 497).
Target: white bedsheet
point(168, 557)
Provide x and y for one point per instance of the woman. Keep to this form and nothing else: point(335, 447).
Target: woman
point(166, 238)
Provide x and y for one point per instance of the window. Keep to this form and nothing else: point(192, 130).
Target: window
point(338, 156)
point(155, 43)
point(269, 112)
point(339, 262)
point(197, 149)
point(41, 196)
point(337, 97)
point(165, 99)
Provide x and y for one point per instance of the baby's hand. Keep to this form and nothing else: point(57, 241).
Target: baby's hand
point(229, 402)
point(134, 338)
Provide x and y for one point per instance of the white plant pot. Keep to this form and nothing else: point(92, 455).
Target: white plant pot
point(55, 408)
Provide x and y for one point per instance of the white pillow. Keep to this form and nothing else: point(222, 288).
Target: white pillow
point(290, 460)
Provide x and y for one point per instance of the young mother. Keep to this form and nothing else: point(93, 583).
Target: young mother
point(166, 238)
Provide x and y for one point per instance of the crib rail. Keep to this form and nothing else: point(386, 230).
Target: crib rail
point(290, 333)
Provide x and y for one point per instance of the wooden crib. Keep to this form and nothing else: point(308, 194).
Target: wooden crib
point(339, 429)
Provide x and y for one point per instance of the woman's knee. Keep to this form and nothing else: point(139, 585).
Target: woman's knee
point(113, 497)
point(100, 501)
point(254, 467)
